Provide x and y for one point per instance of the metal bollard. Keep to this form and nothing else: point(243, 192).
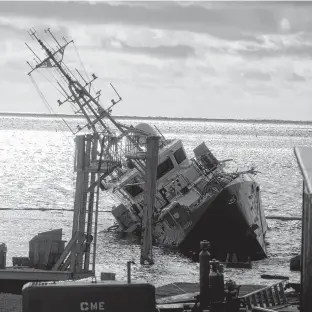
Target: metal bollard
point(129, 270)
point(204, 271)
point(3, 251)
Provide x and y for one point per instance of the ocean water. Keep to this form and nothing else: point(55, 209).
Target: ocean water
point(37, 191)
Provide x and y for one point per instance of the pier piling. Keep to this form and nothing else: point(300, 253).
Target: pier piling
point(150, 191)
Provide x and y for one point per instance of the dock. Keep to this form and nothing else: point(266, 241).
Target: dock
point(49, 259)
point(172, 297)
point(13, 279)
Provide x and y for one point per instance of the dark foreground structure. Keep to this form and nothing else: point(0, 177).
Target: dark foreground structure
point(304, 158)
point(211, 294)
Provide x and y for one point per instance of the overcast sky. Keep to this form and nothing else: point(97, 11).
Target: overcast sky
point(179, 59)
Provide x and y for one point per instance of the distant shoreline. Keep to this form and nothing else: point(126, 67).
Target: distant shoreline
point(270, 121)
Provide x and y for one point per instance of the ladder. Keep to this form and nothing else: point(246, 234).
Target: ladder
point(268, 297)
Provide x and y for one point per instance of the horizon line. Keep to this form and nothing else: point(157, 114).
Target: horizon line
point(47, 115)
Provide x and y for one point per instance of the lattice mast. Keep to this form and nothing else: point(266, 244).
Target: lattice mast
point(101, 149)
point(79, 94)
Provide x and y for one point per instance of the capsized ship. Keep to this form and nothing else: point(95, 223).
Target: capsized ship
point(196, 198)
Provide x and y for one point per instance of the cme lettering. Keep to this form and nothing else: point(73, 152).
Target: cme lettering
point(92, 306)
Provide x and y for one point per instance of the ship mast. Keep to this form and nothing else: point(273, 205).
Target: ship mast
point(79, 94)
point(103, 148)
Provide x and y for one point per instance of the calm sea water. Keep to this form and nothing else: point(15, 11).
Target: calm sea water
point(37, 156)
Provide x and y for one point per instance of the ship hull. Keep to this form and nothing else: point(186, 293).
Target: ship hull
point(233, 222)
point(230, 218)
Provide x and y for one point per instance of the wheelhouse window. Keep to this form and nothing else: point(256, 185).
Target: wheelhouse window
point(134, 190)
point(164, 168)
point(179, 155)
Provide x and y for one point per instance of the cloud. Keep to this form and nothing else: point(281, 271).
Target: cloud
point(18, 28)
point(178, 51)
point(216, 58)
point(175, 51)
point(296, 77)
point(303, 51)
point(256, 75)
point(297, 45)
point(9, 29)
point(228, 21)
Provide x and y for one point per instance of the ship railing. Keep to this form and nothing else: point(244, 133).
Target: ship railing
point(214, 174)
point(131, 146)
point(207, 176)
point(109, 153)
point(201, 168)
point(115, 150)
